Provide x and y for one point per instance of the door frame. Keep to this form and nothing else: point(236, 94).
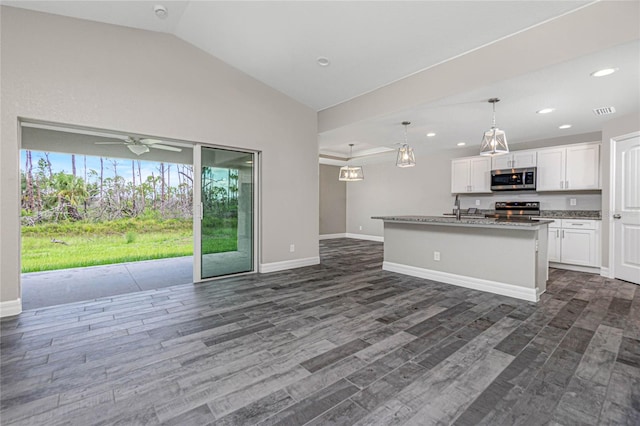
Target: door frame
point(611, 273)
point(198, 210)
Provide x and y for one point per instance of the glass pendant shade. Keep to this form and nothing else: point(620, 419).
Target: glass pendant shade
point(351, 173)
point(406, 158)
point(494, 141)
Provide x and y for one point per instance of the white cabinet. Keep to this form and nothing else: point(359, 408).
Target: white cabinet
point(575, 242)
point(471, 174)
point(569, 168)
point(513, 160)
point(554, 241)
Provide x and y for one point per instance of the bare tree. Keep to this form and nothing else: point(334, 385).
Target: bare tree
point(101, 178)
point(29, 181)
point(142, 190)
point(46, 156)
point(73, 165)
point(133, 186)
point(162, 188)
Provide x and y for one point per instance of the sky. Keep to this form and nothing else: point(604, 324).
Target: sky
point(62, 163)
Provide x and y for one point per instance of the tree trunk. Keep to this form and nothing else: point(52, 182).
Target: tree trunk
point(46, 156)
point(30, 202)
point(143, 197)
point(133, 187)
point(101, 179)
point(162, 189)
point(73, 165)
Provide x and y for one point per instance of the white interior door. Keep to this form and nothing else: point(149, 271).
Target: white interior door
point(626, 214)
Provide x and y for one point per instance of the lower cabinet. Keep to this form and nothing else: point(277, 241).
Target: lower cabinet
point(575, 242)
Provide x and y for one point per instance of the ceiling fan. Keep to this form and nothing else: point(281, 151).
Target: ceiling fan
point(141, 145)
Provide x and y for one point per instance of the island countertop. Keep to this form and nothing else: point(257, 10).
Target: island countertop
point(470, 222)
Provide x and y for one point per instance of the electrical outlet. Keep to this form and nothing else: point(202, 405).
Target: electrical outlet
point(572, 201)
point(361, 227)
point(436, 255)
point(477, 202)
point(292, 248)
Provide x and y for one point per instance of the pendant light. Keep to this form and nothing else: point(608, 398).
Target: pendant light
point(494, 141)
point(406, 158)
point(351, 173)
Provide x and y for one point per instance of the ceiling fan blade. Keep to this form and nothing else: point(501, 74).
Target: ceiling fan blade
point(149, 141)
point(138, 149)
point(165, 147)
point(111, 143)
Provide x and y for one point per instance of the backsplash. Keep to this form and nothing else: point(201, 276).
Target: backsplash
point(555, 201)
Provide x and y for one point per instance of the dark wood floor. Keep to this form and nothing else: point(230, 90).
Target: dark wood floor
point(338, 343)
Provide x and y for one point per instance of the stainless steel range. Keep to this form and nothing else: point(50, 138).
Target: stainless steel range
point(515, 210)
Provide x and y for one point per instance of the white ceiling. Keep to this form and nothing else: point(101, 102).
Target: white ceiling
point(372, 44)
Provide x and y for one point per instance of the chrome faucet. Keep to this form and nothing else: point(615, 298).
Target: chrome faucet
point(457, 206)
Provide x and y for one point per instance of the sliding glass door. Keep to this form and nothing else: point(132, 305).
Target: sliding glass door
point(224, 212)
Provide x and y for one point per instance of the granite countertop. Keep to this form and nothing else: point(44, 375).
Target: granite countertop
point(464, 221)
point(572, 214)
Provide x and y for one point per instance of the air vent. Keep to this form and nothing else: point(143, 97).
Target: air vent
point(604, 110)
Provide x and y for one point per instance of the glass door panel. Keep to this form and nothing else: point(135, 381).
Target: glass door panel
point(226, 201)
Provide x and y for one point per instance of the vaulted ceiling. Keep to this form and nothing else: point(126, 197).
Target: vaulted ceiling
point(379, 44)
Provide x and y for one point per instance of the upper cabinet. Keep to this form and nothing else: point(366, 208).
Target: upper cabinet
point(471, 175)
point(514, 160)
point(569, 168)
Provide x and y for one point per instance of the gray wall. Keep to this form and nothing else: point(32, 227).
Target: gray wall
point(333, 201)
point(84, 73)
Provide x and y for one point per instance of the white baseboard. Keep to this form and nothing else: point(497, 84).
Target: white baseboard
point(605, 272)
point(365, 237)
point(529, 294)
point(288, 264)
point(10, 308)
point(332, 236)
point(577, 268)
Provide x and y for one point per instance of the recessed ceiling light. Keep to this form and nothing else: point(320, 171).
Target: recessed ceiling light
point(564, 126)
point(323, 61)
point(545, 110)
point(603, 72)
point(462, 143)
point(430, 134)
point(160, 11)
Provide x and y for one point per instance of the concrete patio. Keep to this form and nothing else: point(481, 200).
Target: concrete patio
point(40, 289)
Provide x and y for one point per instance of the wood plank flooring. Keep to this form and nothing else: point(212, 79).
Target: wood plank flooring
point(341, 343)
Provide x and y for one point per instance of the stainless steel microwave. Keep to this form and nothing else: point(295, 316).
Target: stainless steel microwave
point(513, 179)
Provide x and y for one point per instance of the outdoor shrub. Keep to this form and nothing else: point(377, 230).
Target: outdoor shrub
point(130, 237)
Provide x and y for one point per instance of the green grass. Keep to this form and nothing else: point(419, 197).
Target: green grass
point(127, 240)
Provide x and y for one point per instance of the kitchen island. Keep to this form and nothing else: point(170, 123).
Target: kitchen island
point(502, 257)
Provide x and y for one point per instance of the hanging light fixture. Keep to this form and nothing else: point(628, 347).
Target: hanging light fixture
point(351, 173)
point(494, 141)
point(406, 158)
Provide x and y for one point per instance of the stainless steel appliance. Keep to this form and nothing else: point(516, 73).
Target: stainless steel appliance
point(508, 211)
point(513, 179)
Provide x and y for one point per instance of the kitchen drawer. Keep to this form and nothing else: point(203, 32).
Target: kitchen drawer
point(578, 224)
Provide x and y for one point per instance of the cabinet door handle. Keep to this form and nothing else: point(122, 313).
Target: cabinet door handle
point(577, 224)
point(561, 184)
point(566, 184)
point(617, 216)
point(563, 233)
point(557, 233)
